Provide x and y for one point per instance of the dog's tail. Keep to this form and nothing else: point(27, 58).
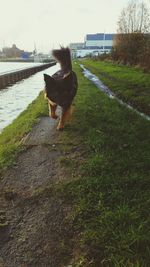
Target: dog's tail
point(63, 56)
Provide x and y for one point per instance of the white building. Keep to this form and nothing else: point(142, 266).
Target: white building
point(87, 52)
point(102, 40)
point(94, 45)
point(74, 47)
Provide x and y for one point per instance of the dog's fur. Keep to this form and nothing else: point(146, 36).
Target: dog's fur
point(61, 87)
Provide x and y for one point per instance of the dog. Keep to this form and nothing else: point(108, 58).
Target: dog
point(61, 87)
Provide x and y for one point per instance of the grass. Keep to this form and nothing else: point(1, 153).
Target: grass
point(130, 84)
point(111, 192)
point(10, 138)
point(107, 155)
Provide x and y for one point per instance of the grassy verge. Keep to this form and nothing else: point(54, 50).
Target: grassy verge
point(11, 136)
point(110, 195)
point(130, 84)
point(107, 153)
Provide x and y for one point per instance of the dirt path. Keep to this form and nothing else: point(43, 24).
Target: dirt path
point(33, 220)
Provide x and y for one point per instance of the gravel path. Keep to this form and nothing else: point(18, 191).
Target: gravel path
point(34, 230)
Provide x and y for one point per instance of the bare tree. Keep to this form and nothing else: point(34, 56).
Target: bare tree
point(134, 18)
point(132, 43)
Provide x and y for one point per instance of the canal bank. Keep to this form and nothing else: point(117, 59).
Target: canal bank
point(29, 165)
point(15, 98)
point(81, 197)
point(12, 77)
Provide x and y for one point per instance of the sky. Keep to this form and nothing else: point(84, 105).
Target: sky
point(47, 24)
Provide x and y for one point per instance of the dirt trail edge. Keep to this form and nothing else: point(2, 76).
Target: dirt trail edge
point(34, 230)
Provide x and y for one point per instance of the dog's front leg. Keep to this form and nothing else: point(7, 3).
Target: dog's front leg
point(64, 116)
point(52, 109)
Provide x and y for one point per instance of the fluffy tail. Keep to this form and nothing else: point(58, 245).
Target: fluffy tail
point(63, 56)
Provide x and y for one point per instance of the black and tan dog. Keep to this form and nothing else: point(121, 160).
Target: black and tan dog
point(61, 87)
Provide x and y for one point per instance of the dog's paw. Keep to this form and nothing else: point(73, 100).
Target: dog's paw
point(60, 127)
point(53, 116)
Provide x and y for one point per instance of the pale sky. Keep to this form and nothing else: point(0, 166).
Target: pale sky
point(50, 23)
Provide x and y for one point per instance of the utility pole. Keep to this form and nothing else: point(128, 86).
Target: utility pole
point(103, 41)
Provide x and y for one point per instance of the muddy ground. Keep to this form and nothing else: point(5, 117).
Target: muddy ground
point(34, 225)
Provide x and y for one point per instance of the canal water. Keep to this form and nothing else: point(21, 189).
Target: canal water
point(99, 84)
point(15, 98)
point(11, 66)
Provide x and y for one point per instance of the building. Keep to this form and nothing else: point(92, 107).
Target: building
point(15, 52)
point(103, 41)
point(74, 47)
point(2, 55)
point(94, 44)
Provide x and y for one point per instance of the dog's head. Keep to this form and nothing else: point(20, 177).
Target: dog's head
point(51, 83)
point(61, 91)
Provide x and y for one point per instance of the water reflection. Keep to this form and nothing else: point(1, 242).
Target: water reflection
point(14, 99)
point(11, 66)
point(107, 91)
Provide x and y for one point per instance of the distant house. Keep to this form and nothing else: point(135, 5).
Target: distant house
point(13, 51)
point(94, 45)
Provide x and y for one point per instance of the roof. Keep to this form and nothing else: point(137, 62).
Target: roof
point(100, 36)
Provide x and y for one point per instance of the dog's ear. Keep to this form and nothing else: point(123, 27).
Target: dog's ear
point(68, 77)
point(48, 78)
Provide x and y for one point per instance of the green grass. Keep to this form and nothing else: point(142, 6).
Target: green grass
point(10, 138)
point(129, 83)
point(107, 155)
point(111, 192)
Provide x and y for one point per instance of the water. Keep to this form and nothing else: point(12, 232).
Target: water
point(107, 91)
point(11, 66)
point(14, 99)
